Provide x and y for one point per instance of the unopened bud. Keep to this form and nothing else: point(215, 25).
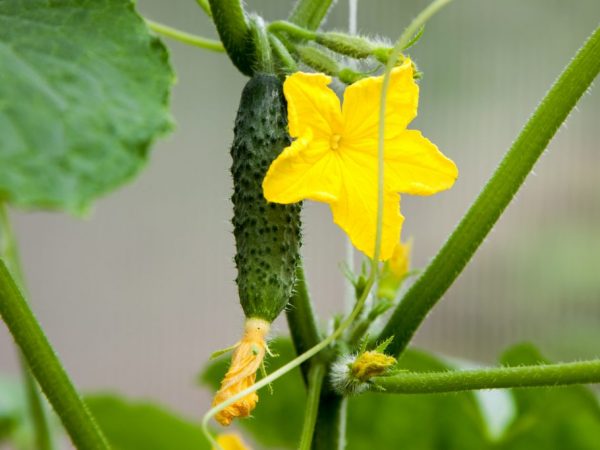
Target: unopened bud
point(345, 44)
point(394, 271)
point(351, 375)
point(318, 60)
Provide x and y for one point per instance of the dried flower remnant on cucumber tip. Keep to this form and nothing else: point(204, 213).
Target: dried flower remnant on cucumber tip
point(334, 157)
point(247, 358)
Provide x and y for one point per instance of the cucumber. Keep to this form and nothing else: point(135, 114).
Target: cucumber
point(267, 235)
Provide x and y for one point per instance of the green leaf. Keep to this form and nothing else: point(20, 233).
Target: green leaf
point(378, 421)
point(416, 422)
point(277, 420)
point(84, 90)
point(142, 425)
point(550, 419)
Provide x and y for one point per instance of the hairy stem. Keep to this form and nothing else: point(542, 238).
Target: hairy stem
point(232, 25)
point(186, 38)
point(315, 384)
point(495, 197)
point(46, 367)
point(292, 29)
point(310, 13)
point(494, 378)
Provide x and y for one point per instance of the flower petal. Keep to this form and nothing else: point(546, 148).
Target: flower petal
point(414, 165)
point(360, 109)
point(311, 104)
point(307, 169)
point(356, 210)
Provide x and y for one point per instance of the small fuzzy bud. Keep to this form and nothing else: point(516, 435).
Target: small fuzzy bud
point(351, 374)
point(318, 60)
point(345, 44)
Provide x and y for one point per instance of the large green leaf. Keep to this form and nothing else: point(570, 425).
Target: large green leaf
point(144, 426)
point(378, 421)
point(564, 418)
point(84, 90)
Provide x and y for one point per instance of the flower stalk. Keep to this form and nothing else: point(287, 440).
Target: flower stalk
point(495, 378)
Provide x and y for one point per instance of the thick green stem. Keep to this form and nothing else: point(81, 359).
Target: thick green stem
point(186, 38)
point(310, 13)
point(233, 28)
point(263, 59)
point(301, 319)
point(495, 378)
point(315, 384)
point(497, 194)
point(46, 366)
point(330, 430)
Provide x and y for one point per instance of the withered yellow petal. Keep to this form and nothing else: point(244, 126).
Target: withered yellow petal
point(307, 169)
point(311, 104)
point(414, 165)
point(361, 105)
point(356, 210)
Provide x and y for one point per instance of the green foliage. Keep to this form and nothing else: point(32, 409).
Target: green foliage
point(84, 90)
point(147, 426)
point(551, 419)
point(277, 419)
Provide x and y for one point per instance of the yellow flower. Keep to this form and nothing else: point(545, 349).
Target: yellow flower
point(333, 158)
point(231, 442)
point(245, 361)
point(370, 364)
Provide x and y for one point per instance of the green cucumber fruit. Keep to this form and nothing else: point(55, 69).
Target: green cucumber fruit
point(267, 235)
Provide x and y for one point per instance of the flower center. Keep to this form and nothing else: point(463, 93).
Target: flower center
point(334, 143)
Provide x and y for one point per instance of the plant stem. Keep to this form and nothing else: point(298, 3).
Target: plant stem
point(263, 60)
point(301, 319)
point(497, 194)
point(186, 38)
point(494, 378)
point(330, 430)
point(46, 367)
point(315, 384)
point(292, 29)
point(9, 252)
point(287, 62)
point(232, 25)
point(205, 6)
point(402, 41)
point(310, 13)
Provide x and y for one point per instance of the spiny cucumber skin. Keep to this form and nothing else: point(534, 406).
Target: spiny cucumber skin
point(267, 235)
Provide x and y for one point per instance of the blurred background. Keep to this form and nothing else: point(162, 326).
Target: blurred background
point(136, 297)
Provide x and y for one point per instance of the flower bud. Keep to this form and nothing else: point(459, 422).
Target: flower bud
point(394, 271)
point(345, 44)
point(231, 441)
point(351, 374)
point(318, 60)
